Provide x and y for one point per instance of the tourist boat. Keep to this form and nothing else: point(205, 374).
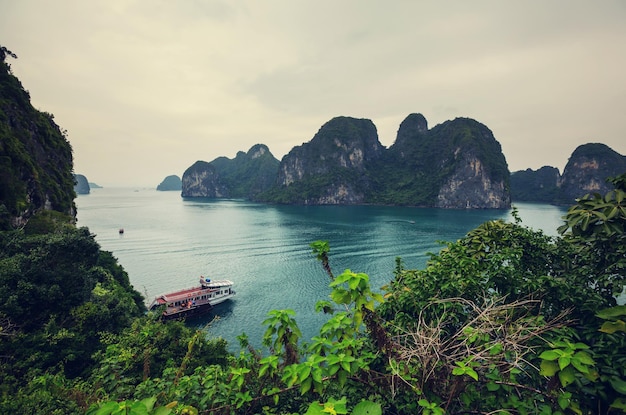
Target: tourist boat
point(193, 301)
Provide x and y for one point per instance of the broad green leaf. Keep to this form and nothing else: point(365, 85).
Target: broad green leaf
point(492, 387)
point(564, 400)
point(551, 354)
point(472, 373)
point(149, 402)
point(163, 410)
point(548, 368)
point(611, 327)
point(367, 408)
point(564, 361)
point(107, 408)
point(566, 376)
point(619, 403)
point(584, 358)
point(306, 386)
point(618, 384)
point(582, 368)
point(612, 313)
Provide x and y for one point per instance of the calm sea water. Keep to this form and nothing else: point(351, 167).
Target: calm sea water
point(264, 249)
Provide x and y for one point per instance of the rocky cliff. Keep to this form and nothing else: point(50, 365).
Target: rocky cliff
point(539, 185)
point(331, 168)
point(458, 164)
point(585, 172)
point(245, 176)
point(35, 157)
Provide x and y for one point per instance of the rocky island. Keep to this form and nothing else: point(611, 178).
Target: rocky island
point(458, 164)
point(585, 172)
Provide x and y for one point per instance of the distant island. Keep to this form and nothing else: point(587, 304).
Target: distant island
point(170, 183)
point(81, 186)
point(457, 164)
point(585, 172)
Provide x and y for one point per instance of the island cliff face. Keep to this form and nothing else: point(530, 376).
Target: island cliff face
point(458, 164)
point(586, 172)
point(245, 176)
point(331, 168)
point(201, 180)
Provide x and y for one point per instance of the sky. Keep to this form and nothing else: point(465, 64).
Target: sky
point(145, 88)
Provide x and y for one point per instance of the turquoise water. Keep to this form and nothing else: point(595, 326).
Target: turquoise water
point(264, 249)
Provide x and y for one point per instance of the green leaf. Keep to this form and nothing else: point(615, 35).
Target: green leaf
point(163, 410)
point(564, 362)
point(471, 373)
point(367, 408)
point(619, 403)
point(492, 387)
point(564, 400)
point(618, 384)
point(566, 376)
point(107, 408)
point(551, 354)
point(582, 368)
point(584, 358)
point(548, 368)
point(611, 327)
point(306, 386)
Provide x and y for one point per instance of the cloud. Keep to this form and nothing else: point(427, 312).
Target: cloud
point(146, 88)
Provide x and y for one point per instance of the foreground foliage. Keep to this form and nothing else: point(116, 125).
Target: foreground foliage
point(506, 320)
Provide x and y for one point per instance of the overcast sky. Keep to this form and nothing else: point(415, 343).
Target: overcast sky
point(145, 88)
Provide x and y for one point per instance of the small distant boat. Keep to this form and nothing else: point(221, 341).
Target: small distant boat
point(193, 301)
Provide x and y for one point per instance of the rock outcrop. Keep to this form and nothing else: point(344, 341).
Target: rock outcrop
point(586, 172)
point(245, 176)
point(539, 186)
point(202, 180)
point(331, 168)
point(170, 183)
point(457, 164)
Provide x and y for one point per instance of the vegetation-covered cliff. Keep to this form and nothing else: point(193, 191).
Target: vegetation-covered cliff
point(586, 171)
point(35, 156)
point(331, 168)
point(457, 164)
point(245, 176)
